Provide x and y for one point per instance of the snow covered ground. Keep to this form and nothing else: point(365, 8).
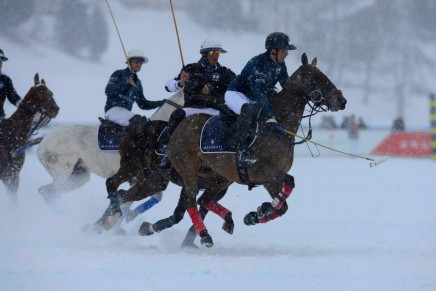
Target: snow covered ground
point(348, 227)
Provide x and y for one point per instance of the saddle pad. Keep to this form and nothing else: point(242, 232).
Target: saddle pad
point(215, 135)
point(109, 139)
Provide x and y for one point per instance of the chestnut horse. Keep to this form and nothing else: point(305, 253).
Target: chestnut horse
point(273, 149)
point(15, 130)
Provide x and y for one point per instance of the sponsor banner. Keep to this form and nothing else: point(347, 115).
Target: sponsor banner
point(411, 144)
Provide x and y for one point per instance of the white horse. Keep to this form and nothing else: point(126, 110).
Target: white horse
point(71, 153)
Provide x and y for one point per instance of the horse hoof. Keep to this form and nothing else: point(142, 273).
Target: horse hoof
point(146, 229)
point(120, 231)
point(206, 239)
point(251, 218)
point(265, 209)
point(131, 215)
point(190, 245)
point(228, 227)
point(93, 228)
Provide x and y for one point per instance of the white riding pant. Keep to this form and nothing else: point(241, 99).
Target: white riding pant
point(119, 115)
point(235, 100)
point(191, 111)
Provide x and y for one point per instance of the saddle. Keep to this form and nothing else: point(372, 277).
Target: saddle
point(217, 135)
point(110, 134)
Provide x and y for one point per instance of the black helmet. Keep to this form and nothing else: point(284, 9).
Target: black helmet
point(278, 40)
point(2, 56)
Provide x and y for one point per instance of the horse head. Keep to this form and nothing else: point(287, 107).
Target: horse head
point(40, 99)
point(309, 82)
point(317, 86)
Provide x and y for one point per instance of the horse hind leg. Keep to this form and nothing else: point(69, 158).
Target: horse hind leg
point(69, 173)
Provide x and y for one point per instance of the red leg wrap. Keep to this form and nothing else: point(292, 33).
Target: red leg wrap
point(196, 219)
point(218, 209)
point(282, 196)
point(267, 218)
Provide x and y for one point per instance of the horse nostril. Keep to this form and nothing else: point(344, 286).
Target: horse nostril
point(344, 101)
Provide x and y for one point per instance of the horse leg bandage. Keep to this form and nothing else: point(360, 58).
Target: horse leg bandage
point(196, 219)
point(282, 196)
point(272, 216)
point(218, 209)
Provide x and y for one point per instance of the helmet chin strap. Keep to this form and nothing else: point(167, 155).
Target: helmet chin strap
point(275, 54)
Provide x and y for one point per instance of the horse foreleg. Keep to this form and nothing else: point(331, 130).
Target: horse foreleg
point(12, 182)
point(155, 199)
point(272, 210)
point(207, 203)
point(113, 211)
point(188, 242)
point(148, 228)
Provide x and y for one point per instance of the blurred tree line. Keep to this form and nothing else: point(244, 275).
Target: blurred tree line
point(372, 38)
point(80, 27)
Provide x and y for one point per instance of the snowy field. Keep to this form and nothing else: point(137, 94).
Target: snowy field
point(348, 227)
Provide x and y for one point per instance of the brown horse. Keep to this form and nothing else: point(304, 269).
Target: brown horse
point(273, 148)
point(15, 130)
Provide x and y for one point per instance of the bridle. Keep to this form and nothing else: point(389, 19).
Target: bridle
point(315, 99)
point(43, 119)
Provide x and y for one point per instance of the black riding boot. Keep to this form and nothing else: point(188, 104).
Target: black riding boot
point(246, 125)
point(176, 117)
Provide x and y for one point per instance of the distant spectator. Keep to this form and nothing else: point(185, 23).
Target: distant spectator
point(352, 127)
point(328, 122)
point(398, 125)
point(361, 123)
point(346, 122)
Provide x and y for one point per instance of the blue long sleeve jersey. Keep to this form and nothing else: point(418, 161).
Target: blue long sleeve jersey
point(7, 91)
point(257, 80)
point(121, 93)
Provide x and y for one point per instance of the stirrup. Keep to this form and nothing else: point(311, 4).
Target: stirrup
point(165, 164)
point(245, 158)
point(162, 148)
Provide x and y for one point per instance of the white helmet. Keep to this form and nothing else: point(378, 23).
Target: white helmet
point(211, 45)
point(137, 54)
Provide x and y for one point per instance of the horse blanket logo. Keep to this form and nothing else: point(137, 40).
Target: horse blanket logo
point(110, 135)
point(215, 136)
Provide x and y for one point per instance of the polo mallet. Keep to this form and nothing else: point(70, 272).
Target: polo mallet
point(177, 33)
point(121, 41)
point(372, 164)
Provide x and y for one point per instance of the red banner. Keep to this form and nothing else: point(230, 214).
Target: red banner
point(412, 144)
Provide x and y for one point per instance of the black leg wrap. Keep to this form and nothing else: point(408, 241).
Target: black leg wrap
point(178, 214)
point(163, 224)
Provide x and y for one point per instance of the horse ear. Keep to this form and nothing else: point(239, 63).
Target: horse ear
point(43, 81)
point(314, 62)
point(304, 60)
point(36, 79)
